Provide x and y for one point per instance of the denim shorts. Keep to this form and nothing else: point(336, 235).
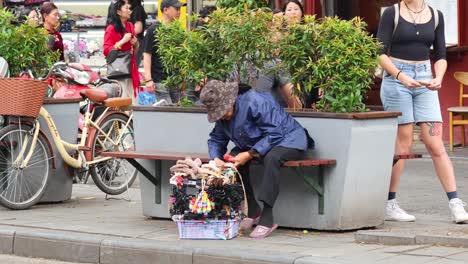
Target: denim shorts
point(416, 104)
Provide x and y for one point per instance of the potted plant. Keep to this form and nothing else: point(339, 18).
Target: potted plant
point(331, 54)
point(338, 56)
point(24, 46)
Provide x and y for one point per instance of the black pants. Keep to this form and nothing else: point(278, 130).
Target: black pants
point(270, 185)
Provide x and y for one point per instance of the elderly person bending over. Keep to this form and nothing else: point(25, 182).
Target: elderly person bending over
point(261, 129)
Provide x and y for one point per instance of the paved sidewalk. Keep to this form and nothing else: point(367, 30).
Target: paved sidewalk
point(90, 229)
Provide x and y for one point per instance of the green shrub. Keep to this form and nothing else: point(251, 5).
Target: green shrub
point(332, 54)
point(225, 45)
point(241, 6)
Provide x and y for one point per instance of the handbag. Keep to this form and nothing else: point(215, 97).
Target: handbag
point(119, 64)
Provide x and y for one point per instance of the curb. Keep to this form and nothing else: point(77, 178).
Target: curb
point(389, 238)
point(107, 249)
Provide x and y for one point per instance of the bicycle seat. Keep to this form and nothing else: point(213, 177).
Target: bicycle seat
point(118, 102)
point(94, 95)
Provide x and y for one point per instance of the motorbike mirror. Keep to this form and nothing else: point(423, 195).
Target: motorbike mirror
point(96, 82)
point(62, 73)
point(60, 64)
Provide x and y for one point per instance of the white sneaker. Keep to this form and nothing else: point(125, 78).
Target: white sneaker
point(457, 210)
point(395, 213)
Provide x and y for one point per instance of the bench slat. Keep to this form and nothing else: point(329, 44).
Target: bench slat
point(308, 162)
point(166, 155)
point(407, 156)
point(155, 155)
point(396, 158)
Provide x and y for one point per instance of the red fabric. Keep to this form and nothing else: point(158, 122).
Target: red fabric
point(110, 38)
point(58, 43)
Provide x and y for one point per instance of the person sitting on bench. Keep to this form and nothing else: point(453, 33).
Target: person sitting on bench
point(260, 128)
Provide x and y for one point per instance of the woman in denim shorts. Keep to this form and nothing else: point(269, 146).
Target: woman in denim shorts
point(410, 87)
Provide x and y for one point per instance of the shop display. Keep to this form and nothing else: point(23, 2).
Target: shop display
point(81, 48)
point(206, 200)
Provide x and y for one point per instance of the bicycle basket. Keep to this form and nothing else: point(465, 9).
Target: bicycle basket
point(21, 97)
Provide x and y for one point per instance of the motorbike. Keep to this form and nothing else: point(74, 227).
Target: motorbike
point(68, 81)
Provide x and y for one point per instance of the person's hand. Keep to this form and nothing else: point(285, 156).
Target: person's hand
point(321, 93)
point(435, 84)
point(242, 158)
point(219, 162)
point(408, 82)
point(134, 41)
point(127, 37)
point(150, 87)
point(200, 85)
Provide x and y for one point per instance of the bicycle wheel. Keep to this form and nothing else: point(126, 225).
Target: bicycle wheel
point(21, 188)
point(113, 176)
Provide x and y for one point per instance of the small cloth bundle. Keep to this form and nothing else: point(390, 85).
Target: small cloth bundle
point(208, 170)
point(187, 168)
point(201, 205)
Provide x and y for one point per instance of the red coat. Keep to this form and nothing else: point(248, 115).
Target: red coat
point(58, 43)
point(110, 38)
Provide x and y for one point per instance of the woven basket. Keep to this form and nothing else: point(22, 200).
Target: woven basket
point(208, 229)
point(21, 97)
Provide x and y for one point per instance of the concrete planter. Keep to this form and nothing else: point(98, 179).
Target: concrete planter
point(355, 188)
point(65, 113)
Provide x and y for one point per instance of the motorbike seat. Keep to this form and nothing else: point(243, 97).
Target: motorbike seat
point(94, 95)
point(118, 102)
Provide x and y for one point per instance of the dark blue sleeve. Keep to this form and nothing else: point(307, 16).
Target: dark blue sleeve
point(268, 117)
point(218, 141)
point(440, 50)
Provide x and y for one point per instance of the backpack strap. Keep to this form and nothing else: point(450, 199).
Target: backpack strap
point(397, 17)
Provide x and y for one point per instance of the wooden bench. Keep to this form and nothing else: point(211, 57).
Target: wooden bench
point(396, 158)
point(158, 156)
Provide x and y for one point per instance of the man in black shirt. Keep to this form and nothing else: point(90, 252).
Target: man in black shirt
point(138, 18)
point(154, 72)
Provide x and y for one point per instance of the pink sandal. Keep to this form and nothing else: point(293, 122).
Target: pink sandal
point(247, 223)
point(262, 231)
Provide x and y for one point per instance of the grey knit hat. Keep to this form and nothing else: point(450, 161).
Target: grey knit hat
point(218, 97)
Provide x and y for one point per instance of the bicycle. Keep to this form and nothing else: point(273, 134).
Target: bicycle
point(26, 156)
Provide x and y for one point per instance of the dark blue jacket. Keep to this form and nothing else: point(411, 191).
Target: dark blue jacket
point(259, 122)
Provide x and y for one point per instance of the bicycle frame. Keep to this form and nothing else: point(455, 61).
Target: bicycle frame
point(62, 145)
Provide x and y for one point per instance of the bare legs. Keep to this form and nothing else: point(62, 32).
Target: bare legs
point(431, 135)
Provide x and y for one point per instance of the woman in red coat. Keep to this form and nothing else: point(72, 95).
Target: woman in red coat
point(120, 35)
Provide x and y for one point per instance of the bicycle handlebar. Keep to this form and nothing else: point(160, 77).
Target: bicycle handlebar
point(57, 65)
